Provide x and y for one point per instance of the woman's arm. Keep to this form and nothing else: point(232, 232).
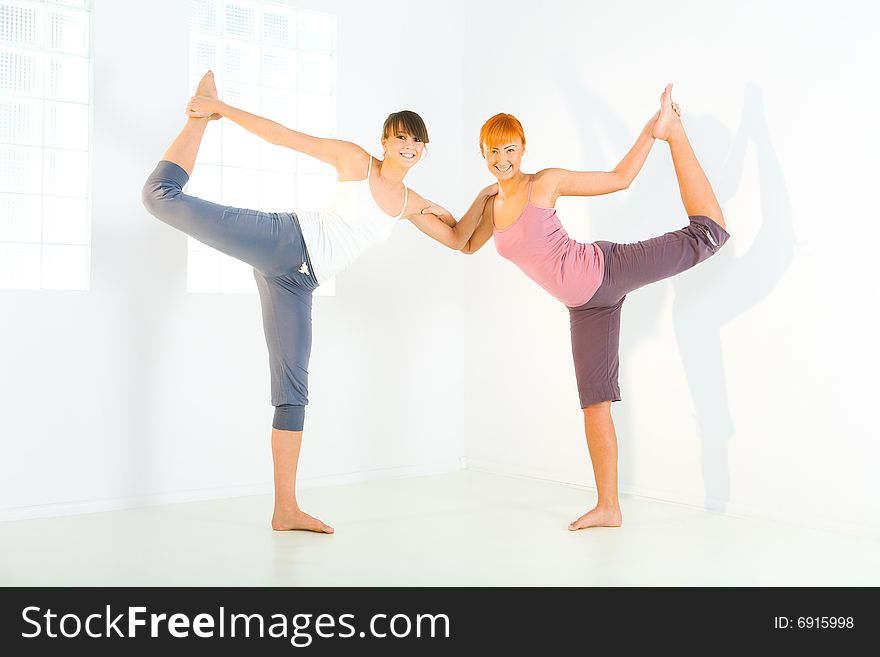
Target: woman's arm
point(483, 232)
point(595, 183)
point(349, 160)
point(437, 222)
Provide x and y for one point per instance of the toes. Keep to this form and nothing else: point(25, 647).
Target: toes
point(302, 522)
point(319, 526)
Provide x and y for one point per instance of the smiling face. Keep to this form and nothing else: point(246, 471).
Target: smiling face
point(504, 161)
point(503, 144)
point(403, 147)
point(404, 136)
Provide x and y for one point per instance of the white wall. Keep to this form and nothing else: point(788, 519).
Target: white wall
point(749, 383)
point(136, 391)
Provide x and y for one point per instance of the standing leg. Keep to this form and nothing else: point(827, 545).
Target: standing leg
point(285, 457)
point(595, 342)
point(602, 444)
point(287, 325)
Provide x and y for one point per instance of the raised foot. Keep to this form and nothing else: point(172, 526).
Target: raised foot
point(298, 521)
point(668, 121)
point(208, 88)
point(598, 517)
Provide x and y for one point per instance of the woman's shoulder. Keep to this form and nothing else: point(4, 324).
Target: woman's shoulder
point(545, 184)
point(547, 176)
point(354, 163)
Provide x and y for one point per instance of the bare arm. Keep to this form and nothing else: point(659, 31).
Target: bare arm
point(483, 232)
point(595, 183)
point(349, 160)
point(437, 222)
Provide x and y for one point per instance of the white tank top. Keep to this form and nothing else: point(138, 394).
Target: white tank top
point(347, 226)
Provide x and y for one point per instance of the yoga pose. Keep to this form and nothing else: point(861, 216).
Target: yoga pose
point(593, 279)
point(293, 253)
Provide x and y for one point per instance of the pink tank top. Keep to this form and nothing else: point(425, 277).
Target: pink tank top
point(538, 244)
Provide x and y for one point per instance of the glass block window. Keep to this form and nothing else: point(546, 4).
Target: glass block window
point(44, 144)
point(277, 61)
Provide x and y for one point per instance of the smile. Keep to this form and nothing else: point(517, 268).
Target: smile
point(509, 167)
point(408, 156)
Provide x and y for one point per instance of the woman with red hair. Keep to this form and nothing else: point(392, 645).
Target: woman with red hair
point(592, 280)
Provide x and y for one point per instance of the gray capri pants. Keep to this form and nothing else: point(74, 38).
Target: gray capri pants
point(272, 243)
point(595, 326)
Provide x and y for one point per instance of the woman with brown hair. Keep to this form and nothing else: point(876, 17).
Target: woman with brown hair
point(293, 253)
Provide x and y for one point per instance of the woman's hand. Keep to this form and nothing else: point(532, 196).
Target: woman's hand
point(201, 107)
point(441, 213)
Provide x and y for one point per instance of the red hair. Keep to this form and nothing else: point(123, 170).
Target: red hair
point(501, 129)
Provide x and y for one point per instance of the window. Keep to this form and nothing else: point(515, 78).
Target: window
point(280, 62)
point(44, 144)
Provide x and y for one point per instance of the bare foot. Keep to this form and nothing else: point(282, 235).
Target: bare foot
point(598, 517)
point(668, 122)
point(298, 520)
point(207, 88)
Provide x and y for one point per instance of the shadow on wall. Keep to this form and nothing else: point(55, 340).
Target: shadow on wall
point(732, 284)
point(726, 285)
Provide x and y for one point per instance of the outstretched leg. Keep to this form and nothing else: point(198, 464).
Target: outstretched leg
point(602, 444)
point(696, 191)
point(631, 266)
point(185, 147)
point(261, 239)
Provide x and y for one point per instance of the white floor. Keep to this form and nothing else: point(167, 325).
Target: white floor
point(462, 529)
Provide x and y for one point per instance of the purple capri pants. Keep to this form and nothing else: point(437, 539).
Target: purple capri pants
point(595, 326)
